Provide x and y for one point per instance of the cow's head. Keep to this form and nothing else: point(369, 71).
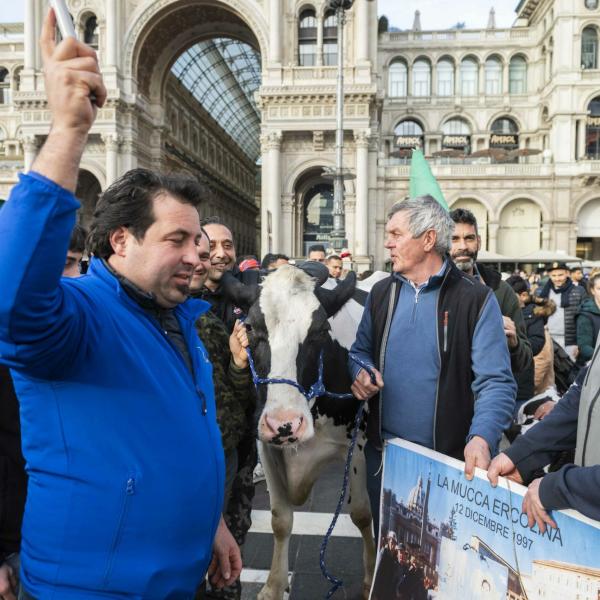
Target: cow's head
point(287, 330)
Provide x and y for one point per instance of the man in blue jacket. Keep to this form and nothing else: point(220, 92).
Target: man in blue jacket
point(435, 337)
point(119, 432)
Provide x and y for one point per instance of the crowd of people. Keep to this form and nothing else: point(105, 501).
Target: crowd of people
point(128, 449)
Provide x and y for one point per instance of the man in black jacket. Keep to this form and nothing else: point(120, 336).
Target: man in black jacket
point(239, 507)
point(466, 244)
point(567, 297)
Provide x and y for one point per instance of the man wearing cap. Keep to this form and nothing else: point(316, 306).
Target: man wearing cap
point(567, 296)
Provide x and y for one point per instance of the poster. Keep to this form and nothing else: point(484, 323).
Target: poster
point(443, 537)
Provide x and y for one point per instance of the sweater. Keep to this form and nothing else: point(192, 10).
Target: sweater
point(123, 452)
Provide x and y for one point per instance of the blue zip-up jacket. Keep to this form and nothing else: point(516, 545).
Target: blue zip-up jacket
point(123, 451)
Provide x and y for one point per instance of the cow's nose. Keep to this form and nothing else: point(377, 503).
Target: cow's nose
point(284, 427)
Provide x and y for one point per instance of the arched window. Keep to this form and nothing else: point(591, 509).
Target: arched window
point(330, 33)
point(445, 77)
point(493, 76)
point(517, 75)
point(90, 32)
point(504, 134)
point(457, 135)
point(409, 134)
point(421, 78)
point(592, 130)
point(398, 79)
point(4, 86)
point(589, 48)
point(469, 80)
point(307, 38)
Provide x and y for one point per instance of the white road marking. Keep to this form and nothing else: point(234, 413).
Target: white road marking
point(307, 523)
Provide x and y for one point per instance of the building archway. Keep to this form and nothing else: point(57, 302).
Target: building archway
point(520, 230)
point(588, 231)
point(196, 65)
point(87, 192)
point(481, 214)
point(313, 211)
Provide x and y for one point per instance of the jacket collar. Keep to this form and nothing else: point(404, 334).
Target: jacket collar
point(191, 309)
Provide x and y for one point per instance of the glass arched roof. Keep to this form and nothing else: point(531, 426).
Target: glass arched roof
point(223, 74)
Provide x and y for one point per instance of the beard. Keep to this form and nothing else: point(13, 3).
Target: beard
point(465, 265)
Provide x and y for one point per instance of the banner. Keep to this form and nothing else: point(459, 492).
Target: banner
point(443, 537)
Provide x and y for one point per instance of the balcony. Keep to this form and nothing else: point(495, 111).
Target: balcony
point(460, 36)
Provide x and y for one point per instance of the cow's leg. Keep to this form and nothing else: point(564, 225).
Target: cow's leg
point(360, 513)
point(282, 519)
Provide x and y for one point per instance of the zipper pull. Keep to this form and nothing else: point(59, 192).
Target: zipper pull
point(445, 331)
point(201, 394)
point(130, 490)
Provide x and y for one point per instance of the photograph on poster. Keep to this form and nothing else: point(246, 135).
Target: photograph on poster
point(444, 537)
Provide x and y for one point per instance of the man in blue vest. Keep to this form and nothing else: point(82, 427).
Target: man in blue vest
point(119, 433)
point(435, 337)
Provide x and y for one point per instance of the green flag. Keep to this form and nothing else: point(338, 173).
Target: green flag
point(422, 181)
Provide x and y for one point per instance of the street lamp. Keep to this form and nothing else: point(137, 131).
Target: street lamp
point(338, 234)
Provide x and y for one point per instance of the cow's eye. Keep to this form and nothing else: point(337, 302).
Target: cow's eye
point(248, 326)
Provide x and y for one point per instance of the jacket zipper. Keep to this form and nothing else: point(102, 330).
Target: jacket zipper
point(588, 425)
point(180, 358)
point(129, 491)
point(437, 385)
point(386, 333)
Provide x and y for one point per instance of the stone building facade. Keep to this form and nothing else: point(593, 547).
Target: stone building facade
point(525, 100)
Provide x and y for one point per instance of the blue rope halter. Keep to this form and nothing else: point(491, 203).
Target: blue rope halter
point(318, 389)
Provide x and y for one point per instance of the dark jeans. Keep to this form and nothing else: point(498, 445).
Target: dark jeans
point(374, 460)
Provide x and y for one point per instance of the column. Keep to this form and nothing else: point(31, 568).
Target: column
point(111, 33)
point(546, 235)
point(581, 127)
point(273, 175)
point(30, 148)
point(505, 79)
point(30, 37)
point(319, 61)
point(287, 230)
point(361, 231)
point(275, 19)
point(111, 145)
point(362, 30)
point(493, 237)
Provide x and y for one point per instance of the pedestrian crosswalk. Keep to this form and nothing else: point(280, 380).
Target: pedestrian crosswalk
point(311, 521)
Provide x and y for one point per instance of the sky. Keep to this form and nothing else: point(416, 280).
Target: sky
point(435, 14)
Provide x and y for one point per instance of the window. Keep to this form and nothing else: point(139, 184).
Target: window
point(592, 130)
point(445, 78)
point(330, 47)
point(307, 38)
point(589, 48)
point(493, 77)
point(4, 86)
point(90, 32)
point(457, 135)
point(468, 77)
point(517, 75)
point(421, 78)
point(408, 134)
point(591, 4)
point(397, 84)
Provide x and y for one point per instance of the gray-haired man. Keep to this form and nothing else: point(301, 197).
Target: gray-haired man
point(435, 338)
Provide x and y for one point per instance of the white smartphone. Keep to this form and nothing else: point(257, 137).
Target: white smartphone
point(63, 18)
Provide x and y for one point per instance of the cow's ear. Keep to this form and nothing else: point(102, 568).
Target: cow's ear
point(240, 294)
point(333, 300)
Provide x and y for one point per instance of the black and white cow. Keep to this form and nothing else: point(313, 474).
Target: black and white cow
point(288, 328)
